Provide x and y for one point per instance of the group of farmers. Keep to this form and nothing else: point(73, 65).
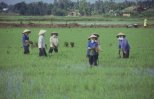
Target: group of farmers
point(93, 45)
point(94, 48)
point(41, 42)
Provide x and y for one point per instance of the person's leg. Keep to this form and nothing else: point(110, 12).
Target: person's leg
point(26, 50)
point(44, 52)
point(124, 54)
point(56, 49)
point(127, 54)
point(97, 55)
point(50, 50)
point(40, 52)
point(91, 60)
point(95, 58)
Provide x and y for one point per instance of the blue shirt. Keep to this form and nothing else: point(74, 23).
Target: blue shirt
point(124, 45)
point(92, 48)
point(24, 39)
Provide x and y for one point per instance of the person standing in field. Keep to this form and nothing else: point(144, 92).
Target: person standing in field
point(41, 43)
point(99, 46)
point(54, 42)
point(124, 46)
point(92, 50)
point(25, 41)
point(145, 23)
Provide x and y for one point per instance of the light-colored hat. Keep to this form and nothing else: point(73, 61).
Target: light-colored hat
point(121, 34)
point(96, 34)
point(26, 31)
point(42, 32)
point(93, 36)
point(54, 33)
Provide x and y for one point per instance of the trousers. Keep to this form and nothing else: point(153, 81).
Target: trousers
point(42, 52)
point(93, 60)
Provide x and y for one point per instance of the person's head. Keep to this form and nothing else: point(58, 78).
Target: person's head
point(42, 32)
point(121, 36)
point(97, 35)
point(54, 34)
point(92, 38)
point(26, 32)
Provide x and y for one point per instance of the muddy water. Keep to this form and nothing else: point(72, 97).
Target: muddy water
point(144, 72)
point(14, 85)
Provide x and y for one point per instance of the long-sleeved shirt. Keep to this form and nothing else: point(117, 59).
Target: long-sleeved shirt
point(25, 38)
point(41, 42)
point(53, 41)
point(92, 46)
point(124, 45)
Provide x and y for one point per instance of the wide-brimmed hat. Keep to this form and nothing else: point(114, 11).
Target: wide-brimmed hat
point(26, 31)
point(96, 34)
point(54, 33)
point(120, 34)
point(93, 36)
point(42, 32)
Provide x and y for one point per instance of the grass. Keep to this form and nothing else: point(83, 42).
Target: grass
point(67, 75)
point(116, 22)
point(79, 20)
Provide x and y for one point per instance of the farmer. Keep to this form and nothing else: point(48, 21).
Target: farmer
point(99, 46)
point(92, 50)
point(124, 46)
point(41, 43)
point(25, 40)
point(54, 42)
point(145, 23)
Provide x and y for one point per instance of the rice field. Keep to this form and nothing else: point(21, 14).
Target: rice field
point(67, 75)
point(95, 20)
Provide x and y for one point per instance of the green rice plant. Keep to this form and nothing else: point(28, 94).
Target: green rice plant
point(67, 74)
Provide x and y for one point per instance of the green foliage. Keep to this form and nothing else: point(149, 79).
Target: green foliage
point(83, 7)
point(67, 75)
point(3, 5)
point(148, 13)
point(107, 19)
point(64, 7)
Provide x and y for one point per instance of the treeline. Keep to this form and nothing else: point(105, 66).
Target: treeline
point(64, 7)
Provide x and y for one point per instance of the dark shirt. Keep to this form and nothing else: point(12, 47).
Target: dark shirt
point(24, 39)
point(124, 45)
point(92, 48)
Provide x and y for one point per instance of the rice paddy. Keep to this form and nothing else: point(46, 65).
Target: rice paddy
point(67, 74)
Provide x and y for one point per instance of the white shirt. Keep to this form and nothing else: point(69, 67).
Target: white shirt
point(41, 42)
point(145, 22)
point(53, 41)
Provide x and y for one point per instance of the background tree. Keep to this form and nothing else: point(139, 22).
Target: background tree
point(83, 7)
point(20, 8)
point(3, 5)
point(63, 7)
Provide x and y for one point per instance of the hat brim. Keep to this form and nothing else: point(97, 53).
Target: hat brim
point(54, 33)
point(42, 32)
point(27, 32)
point(96, 34)
point(92, 37)
point(121, 35)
